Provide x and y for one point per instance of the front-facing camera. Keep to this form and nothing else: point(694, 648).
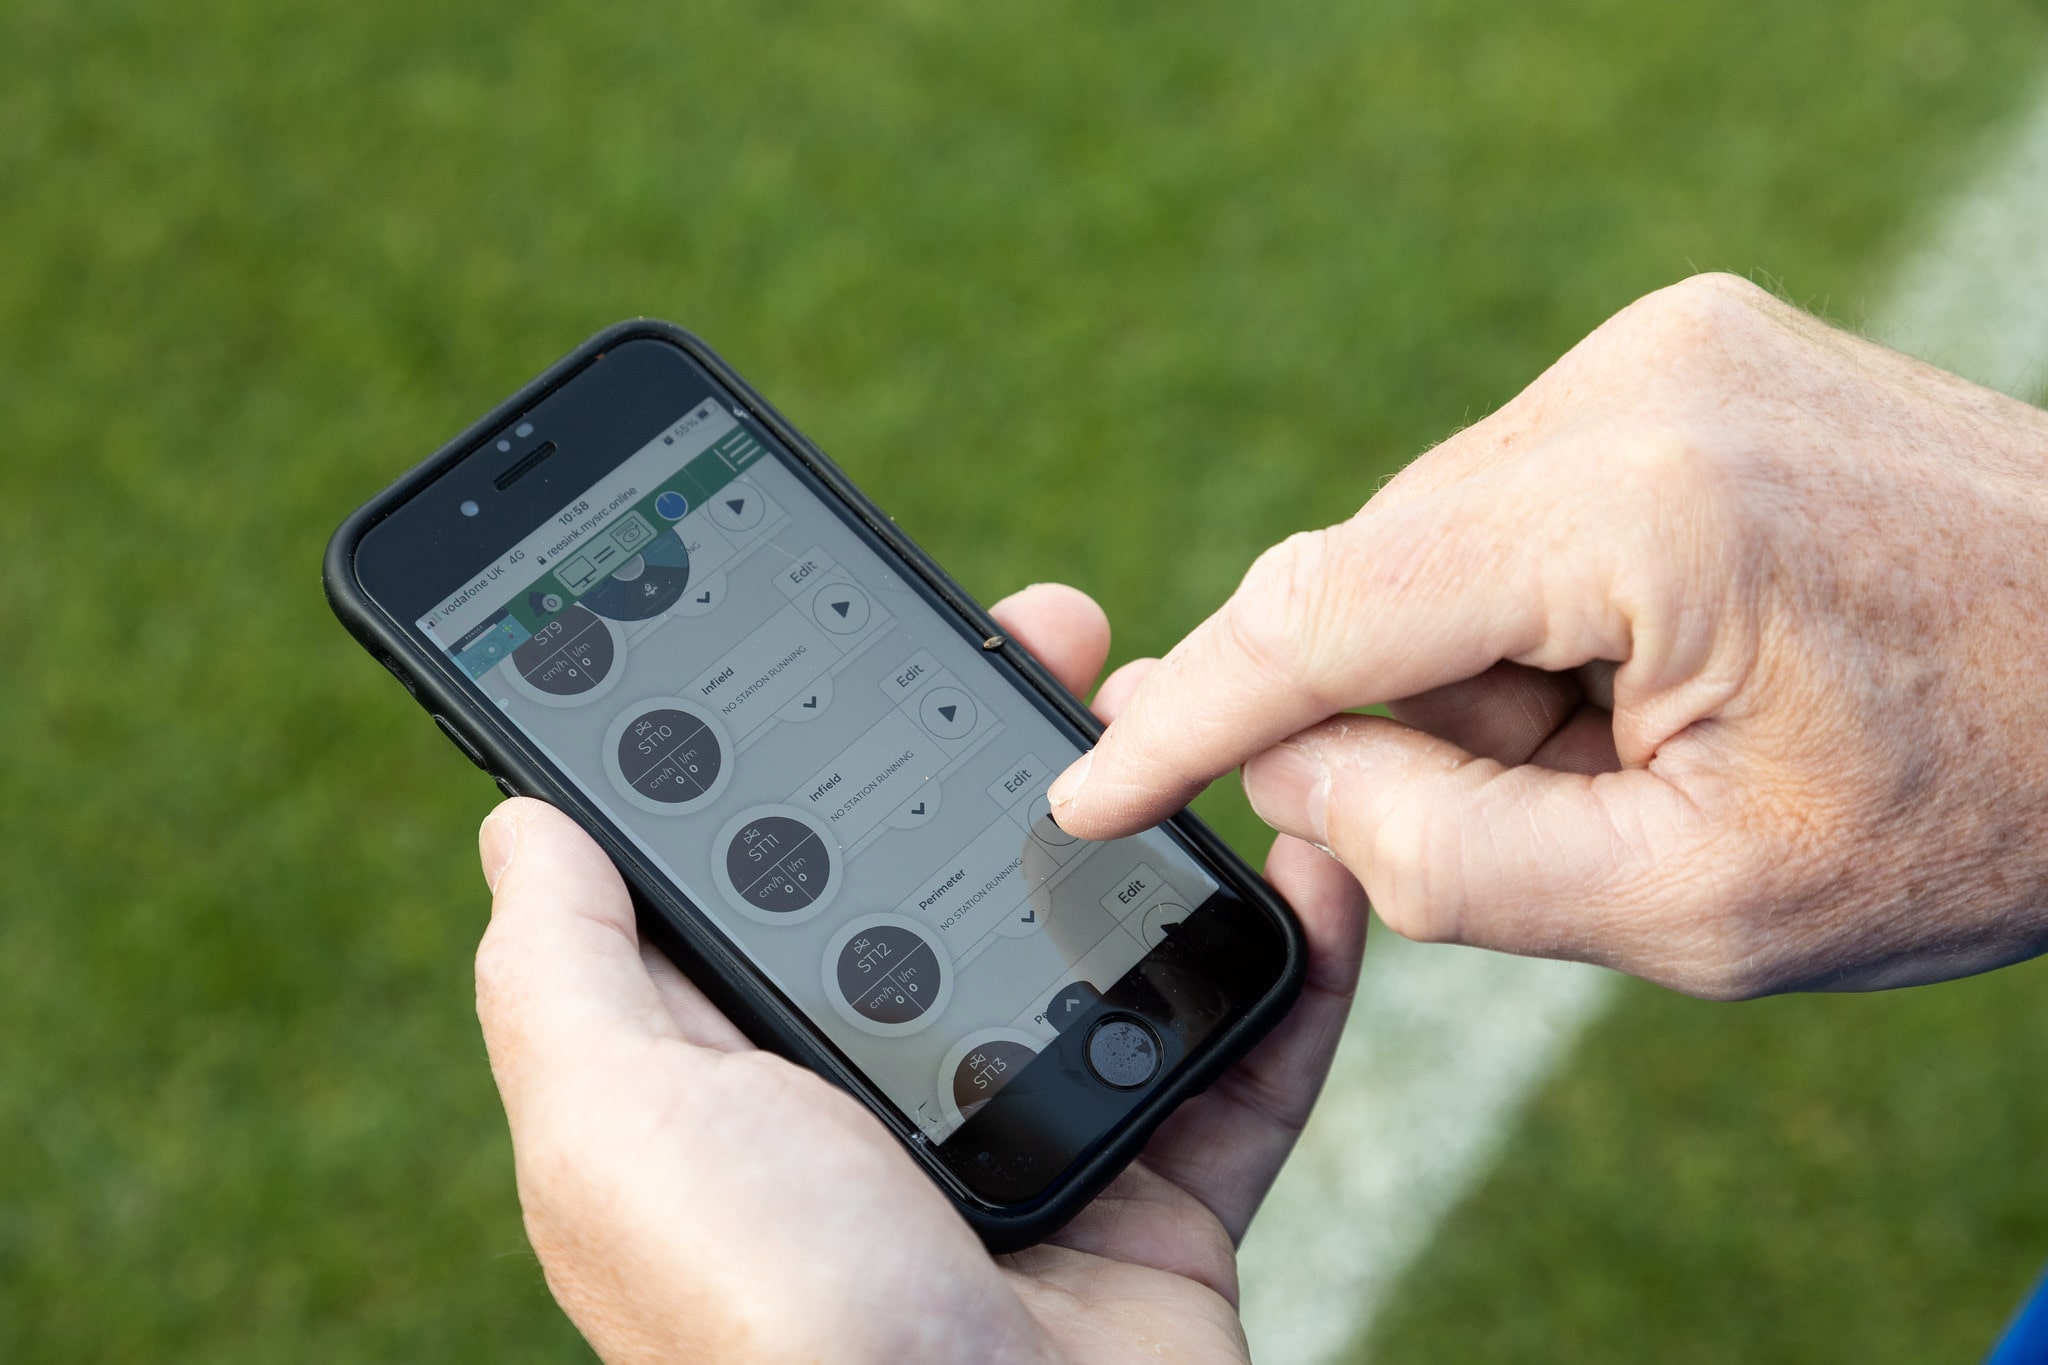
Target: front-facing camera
point(469, 508)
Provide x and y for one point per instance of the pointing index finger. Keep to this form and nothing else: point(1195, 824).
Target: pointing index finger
point(1431, 591)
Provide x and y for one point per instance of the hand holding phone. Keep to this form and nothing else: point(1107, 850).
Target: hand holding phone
point(638, 593)
point(693, 1198)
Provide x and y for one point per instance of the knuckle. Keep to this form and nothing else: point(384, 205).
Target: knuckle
point(1289, 608)
point(1726, 968)
point(1401, 857)
point(1718, 287)
point(1677, 485)
point(1664, 459)
point(494, 966)
point(1682, 341)
point(1723, 932)
point(504, 995)
point(1699, 307)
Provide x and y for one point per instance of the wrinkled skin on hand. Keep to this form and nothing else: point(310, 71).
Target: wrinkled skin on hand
point(1712, 657)
point(1716, 656)
point(692, 1198)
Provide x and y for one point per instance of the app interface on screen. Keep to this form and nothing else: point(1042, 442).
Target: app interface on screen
point(837, 778)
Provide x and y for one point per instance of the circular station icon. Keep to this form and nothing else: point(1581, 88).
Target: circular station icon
point(981, 1064)
point(672, 506)
point(777, 865)
point(886, 976)
point(646, 585)
point(667, 755)
point(571, 661)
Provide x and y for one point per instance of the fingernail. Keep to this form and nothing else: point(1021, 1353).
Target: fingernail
point(1290, 789)
point(1067, 785)
point(497, 844)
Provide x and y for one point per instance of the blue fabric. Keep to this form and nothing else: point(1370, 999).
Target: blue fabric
point(2026, 1341)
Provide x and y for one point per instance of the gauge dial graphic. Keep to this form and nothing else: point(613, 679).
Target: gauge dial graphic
point(646, 585)
point(572, 660)
point(981, 1064)
point(776, 865)
point(667, 755)
point(886, 976)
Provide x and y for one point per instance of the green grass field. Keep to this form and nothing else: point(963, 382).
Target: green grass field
point(1115, 294)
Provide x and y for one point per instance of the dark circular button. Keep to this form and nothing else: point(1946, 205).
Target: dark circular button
point(1122, 1052)
point(778, 864)
point(889, 974)
point(986, 1069)
point(569, 655)
point(1071, 1004)
point(670, 756)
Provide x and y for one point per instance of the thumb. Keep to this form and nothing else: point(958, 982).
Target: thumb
point(1457, 849)
point(559, 970)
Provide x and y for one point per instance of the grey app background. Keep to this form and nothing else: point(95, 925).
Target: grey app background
point(841, 704)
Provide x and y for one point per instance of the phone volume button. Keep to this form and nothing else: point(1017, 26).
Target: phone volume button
point(398, 672)
point(458, 739)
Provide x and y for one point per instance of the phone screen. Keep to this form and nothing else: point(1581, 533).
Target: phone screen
point(822, 761)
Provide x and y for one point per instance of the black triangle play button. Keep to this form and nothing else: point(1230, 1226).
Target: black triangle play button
point(842, 607)
point(949, 712)
point(738, 505)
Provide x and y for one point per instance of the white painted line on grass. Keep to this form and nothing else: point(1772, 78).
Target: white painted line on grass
point(1441, 1052)
point(1447, 1044)
point(1975, 299)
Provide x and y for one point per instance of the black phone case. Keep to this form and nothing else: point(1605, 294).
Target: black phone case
point(732, 983)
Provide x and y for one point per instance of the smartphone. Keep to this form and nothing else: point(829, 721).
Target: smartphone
point(636, 592)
